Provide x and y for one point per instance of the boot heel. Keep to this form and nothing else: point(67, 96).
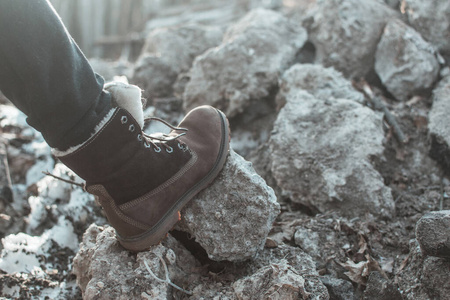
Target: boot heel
point(152, 237)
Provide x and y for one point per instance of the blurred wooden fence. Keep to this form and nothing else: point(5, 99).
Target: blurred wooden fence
point(94, 23)
point(102, 27)
point(89, 22)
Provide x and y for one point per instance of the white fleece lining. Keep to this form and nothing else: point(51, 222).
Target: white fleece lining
point(128, 97)
point(97, 128)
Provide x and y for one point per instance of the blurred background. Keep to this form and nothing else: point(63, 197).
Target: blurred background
point(116, 29)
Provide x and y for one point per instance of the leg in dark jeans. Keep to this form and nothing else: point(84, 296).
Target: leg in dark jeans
point(44, 73)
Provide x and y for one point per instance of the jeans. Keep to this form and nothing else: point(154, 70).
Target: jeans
point(45, 74)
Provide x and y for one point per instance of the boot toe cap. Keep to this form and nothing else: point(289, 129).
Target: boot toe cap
point(208, 134)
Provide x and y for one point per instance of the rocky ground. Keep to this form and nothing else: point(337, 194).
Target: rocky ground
point(337, 186)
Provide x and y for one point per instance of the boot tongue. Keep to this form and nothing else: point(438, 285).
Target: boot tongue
point(128, 97)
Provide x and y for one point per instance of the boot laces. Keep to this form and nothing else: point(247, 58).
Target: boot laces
point(162, 138)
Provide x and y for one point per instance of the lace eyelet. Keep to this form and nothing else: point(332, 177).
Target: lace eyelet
point(124, 119)
point(157, 149)
point(146, 145)
point(131, 128)
point(139, 137)
point(180, 146)
point(169, 151)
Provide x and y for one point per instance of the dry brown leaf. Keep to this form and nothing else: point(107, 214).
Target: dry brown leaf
point(270, 243)
point(284, 231)
point(362, 244)
point(359, 272)
point(375, 266)
point(355, 271)
point(404, 263)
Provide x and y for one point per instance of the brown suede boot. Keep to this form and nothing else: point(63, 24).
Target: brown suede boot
point(142, 182)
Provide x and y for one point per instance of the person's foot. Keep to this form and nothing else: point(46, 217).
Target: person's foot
point(141, 181)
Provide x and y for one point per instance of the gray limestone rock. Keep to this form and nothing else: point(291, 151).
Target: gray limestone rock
point(294, 260)
point(252, 128)
point(393, 3)
point(346, 33)
point(431, 19)
point(232, 218)
point(380, 288)
point(404, 61)
point(169, 52)
point(262, 162)
point(319, 240)
point(424, 277)
point(309, 241)
point(179, 46)
point(321, 155)
point(246, 66)
point(439, 124)
point(276, 281)
point(105, 270)
point(154, 76)
point(323, 83)
point(323, 237)
point(338, 289)
point(109, 69)
point(433, 233)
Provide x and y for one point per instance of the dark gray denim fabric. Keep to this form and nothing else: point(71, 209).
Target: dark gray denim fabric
point(45, 74)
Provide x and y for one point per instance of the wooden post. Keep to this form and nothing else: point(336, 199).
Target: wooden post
point(6, 195)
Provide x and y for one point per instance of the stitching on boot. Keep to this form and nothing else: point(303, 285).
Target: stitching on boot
point(101, 190)
point(163, 186)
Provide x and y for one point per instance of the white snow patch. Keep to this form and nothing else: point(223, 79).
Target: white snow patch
point(35, 174)
point(11, 116)
point(38, 148)
point(63, 234)
point(23, 253)
point(78, 206)
point(53, 188)
point(38, 212)
point(63, 290)
point(20, 253)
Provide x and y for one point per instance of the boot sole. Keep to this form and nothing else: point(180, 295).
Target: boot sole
point(160, 230)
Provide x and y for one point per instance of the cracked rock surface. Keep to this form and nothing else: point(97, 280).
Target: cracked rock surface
point(276, 281)
point(405, 62)
point(430, 18)
point(424, 277)
point(323, 83)
point(328, 166)
point(232, 218)
point(105, 270)
point(169, 52)
point(346, 33)
point(439, 124)
point(246, 66)
point(433, 234)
